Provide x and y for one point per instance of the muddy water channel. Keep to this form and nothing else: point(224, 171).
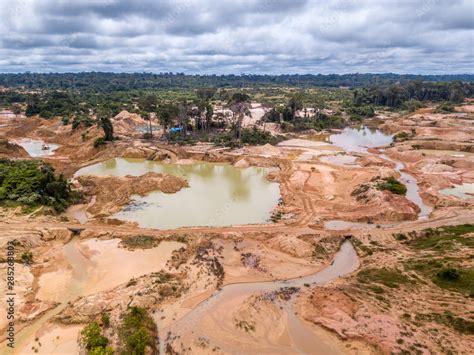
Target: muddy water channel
point(359, 140)
point(218, 194)
point(92, 266)
point(213, 318)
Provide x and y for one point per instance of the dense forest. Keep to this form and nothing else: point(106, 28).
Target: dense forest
point(96, 97)
point(110, 82)
point(397, 95)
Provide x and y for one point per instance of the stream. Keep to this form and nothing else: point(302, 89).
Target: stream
point(108, 266)
point(80, 264)
point(302, 339)
point(359, 140)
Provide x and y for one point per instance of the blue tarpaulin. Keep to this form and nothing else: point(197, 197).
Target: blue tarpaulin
point(176, 129)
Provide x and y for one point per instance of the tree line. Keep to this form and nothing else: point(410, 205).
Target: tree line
point(398, 94)
point(110, 82)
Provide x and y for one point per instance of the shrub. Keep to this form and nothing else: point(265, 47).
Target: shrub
point(412, 105)
point(317, 122)
point(105, 320)
point(445, 107)
point(402, 136)
point(65, 120)
point(99, 142)
point(449, 274)
point(359, 112)
point(256, 136)
point(82, 120)
point(138, 331)
point(92, 338)
point(393, 185)
point(27, 257)
point(101, 351)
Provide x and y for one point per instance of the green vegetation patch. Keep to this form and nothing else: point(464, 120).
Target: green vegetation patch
point(393, 185)
point(456, 279)
point(445, 107)
point(444, 238)
point(388, 277)
point(93, 340)
point(444, 273)
point(251, 136)
point(461, 325)
point(33, 183)
point(141, 242)
point(138, 332)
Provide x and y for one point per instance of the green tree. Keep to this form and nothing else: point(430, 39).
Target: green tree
point(104, 121)
point(295, 103)
point(167, 114)
point(149, 104)
point(16, 109)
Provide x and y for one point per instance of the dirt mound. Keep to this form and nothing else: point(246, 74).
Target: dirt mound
point(336, 311)
point(126, 123)
point(264, 150)
point(11, 150)
point(434, 167)
point(112, 192)
point(291, 245)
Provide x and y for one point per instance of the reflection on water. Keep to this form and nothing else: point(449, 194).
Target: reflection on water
point(359, 139)
point(37, 148)
point(218, 194)
point(461, 191)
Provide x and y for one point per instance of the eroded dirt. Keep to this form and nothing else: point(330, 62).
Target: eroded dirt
point(348, 317)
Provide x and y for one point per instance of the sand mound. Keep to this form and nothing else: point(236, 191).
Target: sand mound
point(436, 168)
point(11, 150)
point(112, 192)
point(263, 150)
point(126, 123)
point(291, 245)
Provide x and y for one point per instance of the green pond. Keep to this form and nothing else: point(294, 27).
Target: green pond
point(218, 194)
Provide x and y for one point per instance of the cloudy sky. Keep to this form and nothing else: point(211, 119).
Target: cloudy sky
point(232, 36)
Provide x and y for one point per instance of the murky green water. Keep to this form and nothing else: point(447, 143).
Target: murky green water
point(218, 194)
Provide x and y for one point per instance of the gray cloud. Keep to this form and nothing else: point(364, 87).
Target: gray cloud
point(230, 36)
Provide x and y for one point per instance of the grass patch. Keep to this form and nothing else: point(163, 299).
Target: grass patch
point(455, 279)
point(444, 273)
point(444, 238)
point(141, 242)
point(460, 325)
point(362, 247)
point(388, 277)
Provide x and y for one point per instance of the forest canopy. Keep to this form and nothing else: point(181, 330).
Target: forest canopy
point(109, 82)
